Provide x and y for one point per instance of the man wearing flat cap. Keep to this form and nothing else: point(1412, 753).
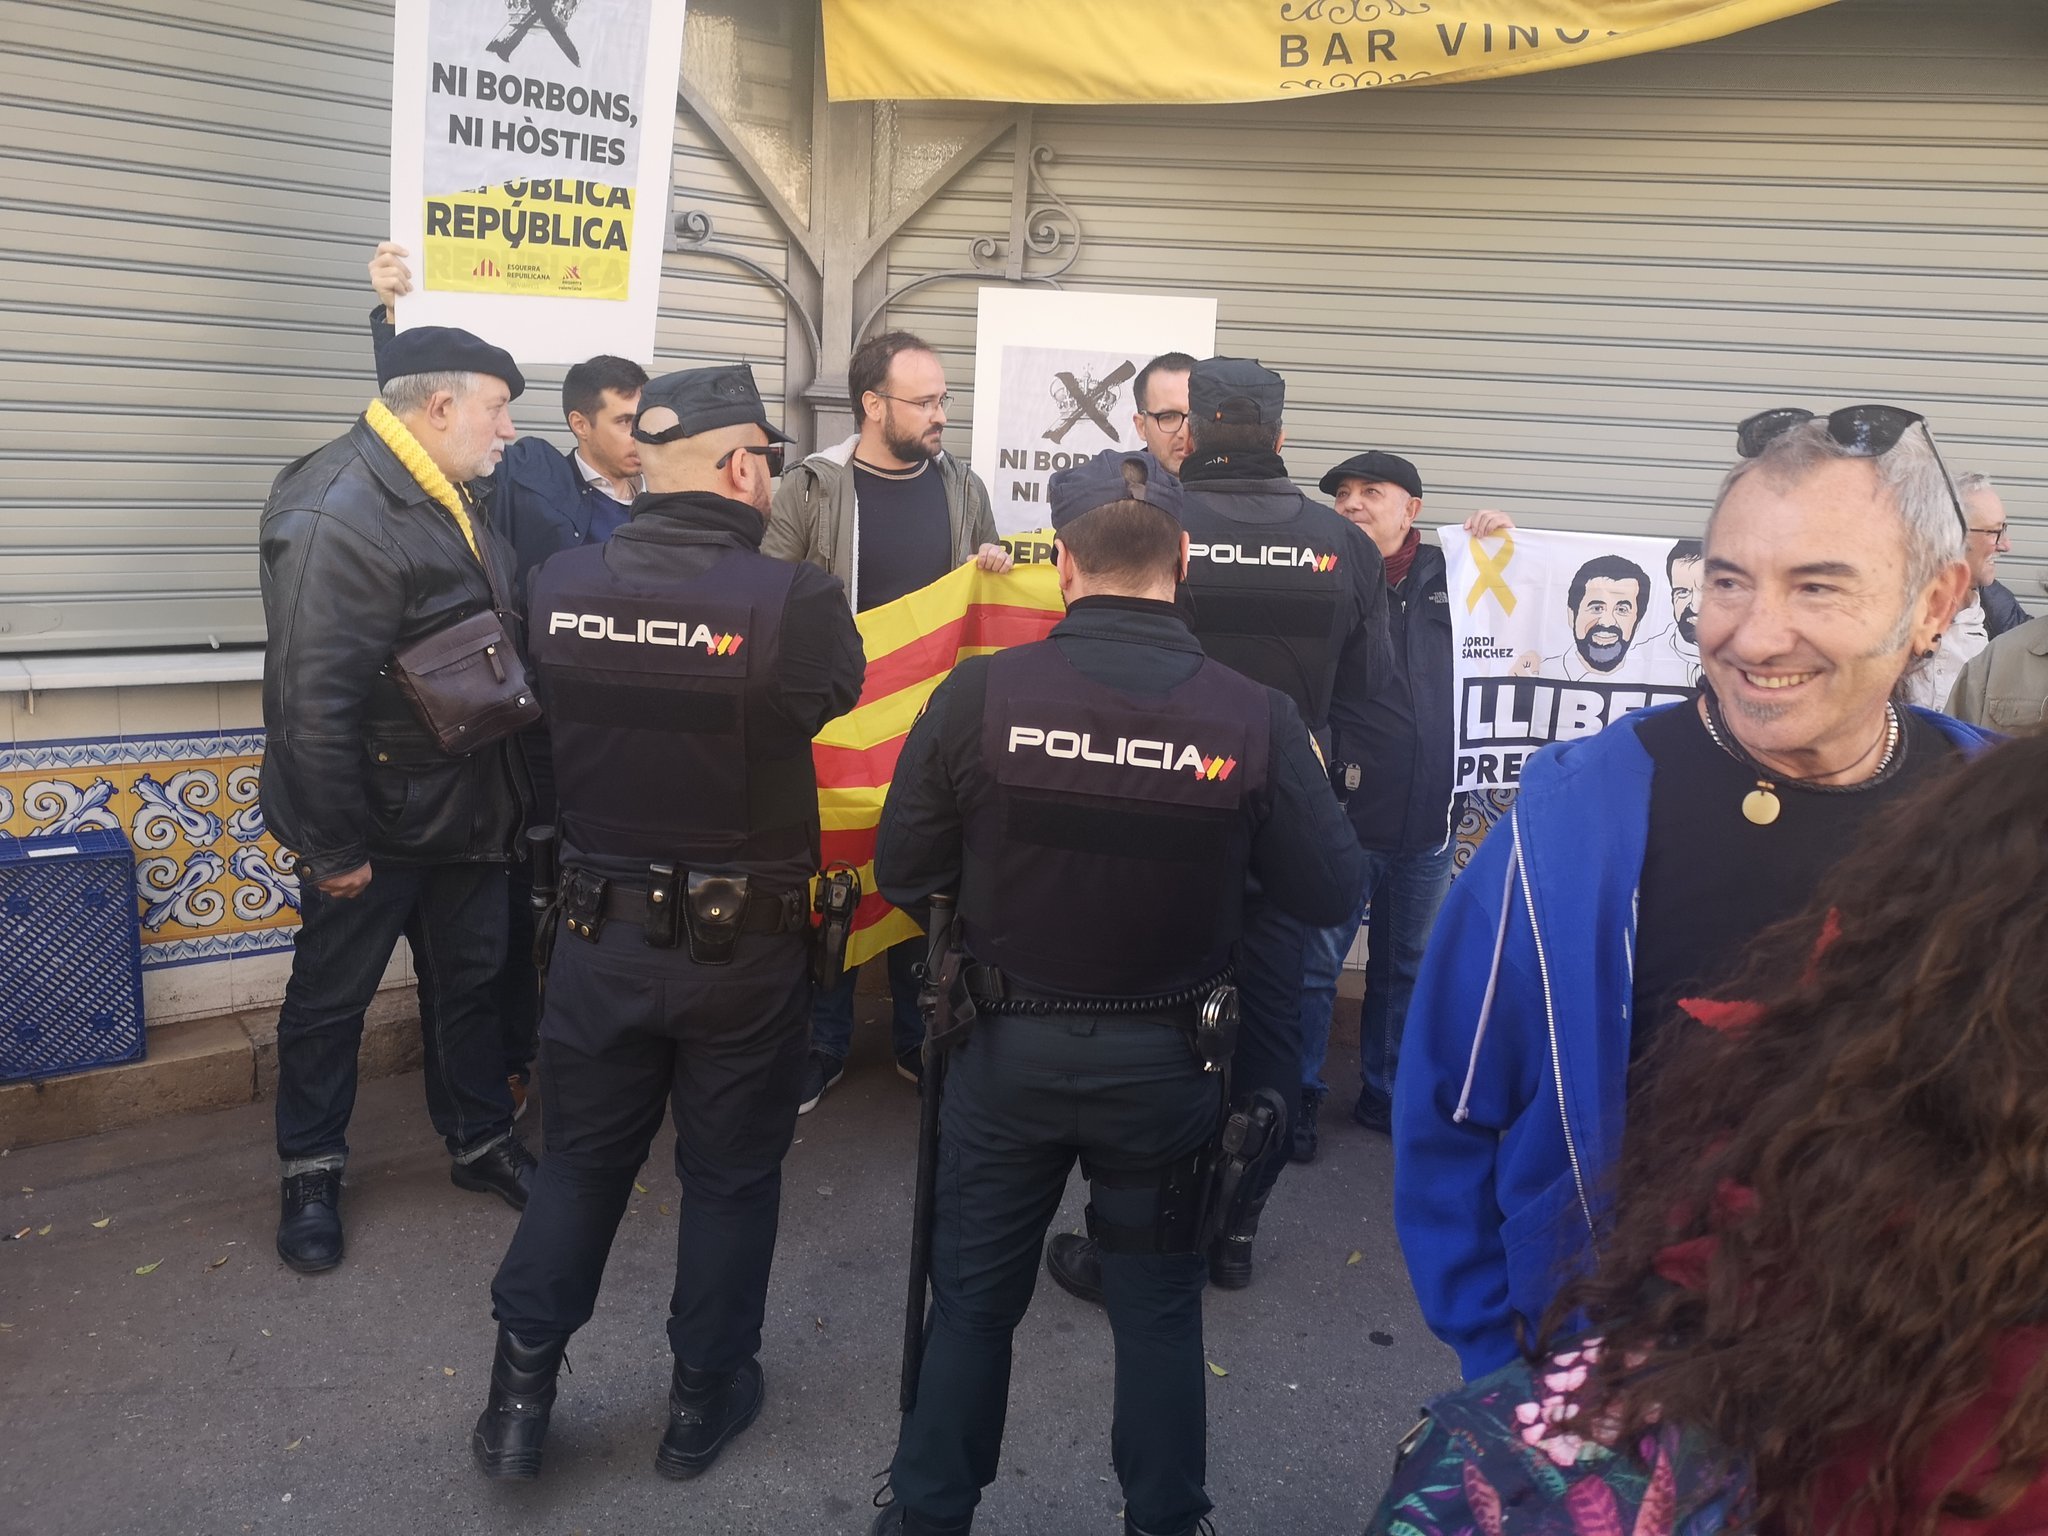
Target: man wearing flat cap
point(371, 545)
point(1283, 590)
point(1099, 801)
point(684, 674)
point(1403, 810)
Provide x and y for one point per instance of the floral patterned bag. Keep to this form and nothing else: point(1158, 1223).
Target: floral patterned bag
point(1489, 1460)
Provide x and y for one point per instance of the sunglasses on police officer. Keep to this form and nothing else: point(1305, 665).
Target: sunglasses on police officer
point(772, 452)
point(1865, 431)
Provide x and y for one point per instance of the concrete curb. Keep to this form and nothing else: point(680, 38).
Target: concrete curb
point(200, 1064)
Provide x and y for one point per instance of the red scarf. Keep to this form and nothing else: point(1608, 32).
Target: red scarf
point(1402, 558)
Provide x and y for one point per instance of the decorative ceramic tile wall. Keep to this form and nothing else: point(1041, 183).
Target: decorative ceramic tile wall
point(210, 883)
point(1480, 810)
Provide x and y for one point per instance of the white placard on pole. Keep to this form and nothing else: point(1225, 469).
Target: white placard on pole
point(530, 150)
point(1053, 372)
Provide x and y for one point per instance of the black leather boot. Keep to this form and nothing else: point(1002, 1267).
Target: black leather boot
point(895, 1520)
point(1230, 1255)
point(507, 1439)
point(705, 1410)
point(1076, 1263)
point(505, 1171)
point(309, 1226)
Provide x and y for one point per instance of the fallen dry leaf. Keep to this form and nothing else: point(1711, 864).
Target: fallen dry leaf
point(149, 1269)
point(103, 1221)
point(266, 1333)
point(639, 1186)
point(447, 1370)
point(44, 1231)
point(216, 1264)
point(1355, 1257)
point(6, 1327)
point(296, 1443)
point(663, 1208)
point(1216, 1369)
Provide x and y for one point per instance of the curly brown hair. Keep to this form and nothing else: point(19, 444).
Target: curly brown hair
point(1864, 1170)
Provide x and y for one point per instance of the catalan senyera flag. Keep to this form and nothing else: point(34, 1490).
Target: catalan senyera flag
point(911, 645)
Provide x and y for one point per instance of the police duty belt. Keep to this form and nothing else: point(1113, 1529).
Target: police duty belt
point(994, 993)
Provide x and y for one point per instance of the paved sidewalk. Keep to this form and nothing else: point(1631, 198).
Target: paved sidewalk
point(230, 1397)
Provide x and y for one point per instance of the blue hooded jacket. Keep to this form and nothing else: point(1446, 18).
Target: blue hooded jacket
point(1508, 1107)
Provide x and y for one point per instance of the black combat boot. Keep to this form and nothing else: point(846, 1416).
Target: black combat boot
point(895, 1520)
point(309, 1225)
point(507, 1438)
point(1230, 1255)
point(705, 1410)
point(1076, 1263)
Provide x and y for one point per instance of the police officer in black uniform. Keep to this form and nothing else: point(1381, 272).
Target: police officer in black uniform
point(683, 674)
point(1282, 589)
point(1098, 800)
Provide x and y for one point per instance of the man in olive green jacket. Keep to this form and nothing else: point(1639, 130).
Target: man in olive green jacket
point(888, 510)
point(2005, 685)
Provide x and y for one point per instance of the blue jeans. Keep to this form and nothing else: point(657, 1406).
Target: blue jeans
point(832, 1012)
point(1400, 899)
point(454, 917)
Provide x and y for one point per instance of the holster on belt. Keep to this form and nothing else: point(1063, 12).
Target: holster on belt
point(836, 901)
point(713, 906)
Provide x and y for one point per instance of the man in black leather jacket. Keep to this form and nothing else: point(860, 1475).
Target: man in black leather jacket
point(369, 544)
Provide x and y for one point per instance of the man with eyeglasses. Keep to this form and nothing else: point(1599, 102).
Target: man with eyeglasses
point(887, 511)
point(683, 676)
point(1931, 683)
point(1160, 396)
point(1638, 864)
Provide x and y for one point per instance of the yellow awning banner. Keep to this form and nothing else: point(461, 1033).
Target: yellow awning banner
point(1105, 52)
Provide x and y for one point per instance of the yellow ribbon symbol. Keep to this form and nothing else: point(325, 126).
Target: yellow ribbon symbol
point(1492, 574)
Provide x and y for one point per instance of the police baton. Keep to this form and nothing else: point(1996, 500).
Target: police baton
point(932, 1003)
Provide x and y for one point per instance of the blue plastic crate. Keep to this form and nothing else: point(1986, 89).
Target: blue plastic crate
point(70, 954)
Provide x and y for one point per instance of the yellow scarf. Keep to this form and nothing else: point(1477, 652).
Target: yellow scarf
point(399, 439)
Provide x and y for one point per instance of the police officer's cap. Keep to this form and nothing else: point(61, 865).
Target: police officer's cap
point(1104, 480)
point(1235, 389)
point(1388, 467)
point(446, 349)
point(700, 400)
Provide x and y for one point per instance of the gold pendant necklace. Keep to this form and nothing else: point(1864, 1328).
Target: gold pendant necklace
point(1761, 806)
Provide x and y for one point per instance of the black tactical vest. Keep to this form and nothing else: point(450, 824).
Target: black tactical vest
point(648, 689)
point(1107, 844)
point(1271, 600)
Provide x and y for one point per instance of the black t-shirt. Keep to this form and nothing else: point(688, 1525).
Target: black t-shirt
point(906, 538)
point(1713, 880)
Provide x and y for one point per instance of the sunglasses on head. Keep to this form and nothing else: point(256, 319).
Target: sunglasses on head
point(1867, 431)
point(772, 452)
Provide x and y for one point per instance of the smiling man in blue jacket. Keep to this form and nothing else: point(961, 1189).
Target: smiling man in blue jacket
point(1638, 863)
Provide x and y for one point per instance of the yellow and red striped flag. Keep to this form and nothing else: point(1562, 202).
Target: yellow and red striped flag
point(911, 645)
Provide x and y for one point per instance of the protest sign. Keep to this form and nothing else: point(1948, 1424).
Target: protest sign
point(1560, 634)
point(530, 155)
point(1053, 376)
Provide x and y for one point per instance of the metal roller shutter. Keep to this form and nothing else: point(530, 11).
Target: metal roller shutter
point(1557, 294)
point(187, 198)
